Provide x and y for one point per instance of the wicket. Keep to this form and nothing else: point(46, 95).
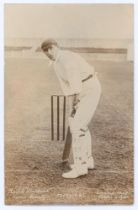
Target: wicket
point(58, 99)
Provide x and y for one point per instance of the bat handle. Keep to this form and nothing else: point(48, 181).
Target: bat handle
point(73, 112)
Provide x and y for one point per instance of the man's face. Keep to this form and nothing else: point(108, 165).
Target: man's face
point(50, 53)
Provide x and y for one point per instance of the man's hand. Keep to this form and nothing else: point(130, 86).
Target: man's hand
point(75, 100)
point(73, 103)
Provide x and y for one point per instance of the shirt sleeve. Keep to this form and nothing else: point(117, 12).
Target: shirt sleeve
point(74, 85)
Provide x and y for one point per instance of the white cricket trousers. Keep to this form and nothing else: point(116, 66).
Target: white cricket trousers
point(81, 137)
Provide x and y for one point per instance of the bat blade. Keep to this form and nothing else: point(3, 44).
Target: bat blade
point(67, 146)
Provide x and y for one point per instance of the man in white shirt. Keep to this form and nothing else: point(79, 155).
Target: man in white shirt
point(77, 78)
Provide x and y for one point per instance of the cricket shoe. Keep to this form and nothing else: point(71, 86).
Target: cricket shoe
point(90, 164)
point(75, 172)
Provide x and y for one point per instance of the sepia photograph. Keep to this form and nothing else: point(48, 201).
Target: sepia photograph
point(68, 103)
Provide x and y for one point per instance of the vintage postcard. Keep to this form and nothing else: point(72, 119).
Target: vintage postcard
point(68, 103)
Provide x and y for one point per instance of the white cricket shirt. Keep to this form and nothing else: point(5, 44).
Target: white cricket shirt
point(71, 69)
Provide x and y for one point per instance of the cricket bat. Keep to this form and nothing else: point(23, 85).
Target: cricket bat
point(67, 147)
point(68, 142)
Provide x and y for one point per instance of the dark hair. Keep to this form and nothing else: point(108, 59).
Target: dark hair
point(48, 44)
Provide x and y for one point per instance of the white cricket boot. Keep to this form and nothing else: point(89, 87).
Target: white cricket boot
point(76, 172)
point(90, 164)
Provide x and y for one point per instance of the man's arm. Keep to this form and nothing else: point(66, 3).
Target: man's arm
point(74, 82)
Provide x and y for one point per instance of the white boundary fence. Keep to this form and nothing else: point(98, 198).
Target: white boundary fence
point(98, 49)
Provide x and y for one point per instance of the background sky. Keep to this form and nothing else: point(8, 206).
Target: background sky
point(104, 21)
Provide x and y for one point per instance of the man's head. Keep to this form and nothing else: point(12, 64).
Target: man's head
point(50, 48)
